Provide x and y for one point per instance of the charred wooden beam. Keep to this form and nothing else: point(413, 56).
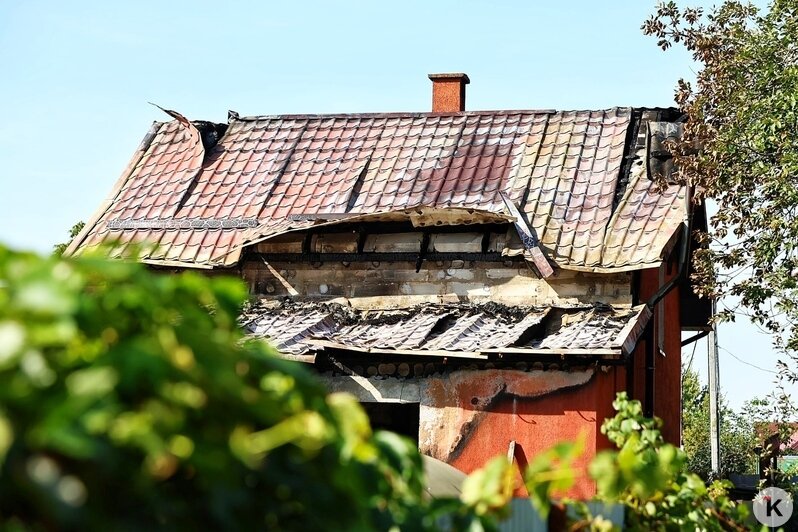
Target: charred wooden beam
point(383, 257)
point(485, 242)
point(422, 251)
point(408, 227)
point(361, 237)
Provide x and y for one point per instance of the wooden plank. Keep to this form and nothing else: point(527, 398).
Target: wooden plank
point(177, 264)
point(483, 355)
point(530, 241)
point(632, 331)
point(393, 243)
point(429, 352)
point(287, 243)
point(333, 345)
point(603, 352)
point(456, 242)
point(409, 352)
point(305, 359)
point(334, 243)
point(540, 262)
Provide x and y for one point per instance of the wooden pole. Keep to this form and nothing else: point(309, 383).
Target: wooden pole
point(714, 389)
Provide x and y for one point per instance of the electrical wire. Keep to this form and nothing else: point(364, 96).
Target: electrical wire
point(748, 363)
point(689, 364)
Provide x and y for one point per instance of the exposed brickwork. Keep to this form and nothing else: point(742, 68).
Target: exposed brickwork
point(448, 92)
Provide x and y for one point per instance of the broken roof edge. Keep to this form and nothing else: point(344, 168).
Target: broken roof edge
point(664, 253)
point(611, 269)
point(631, 333)
point(178, 264)
point(491, 217)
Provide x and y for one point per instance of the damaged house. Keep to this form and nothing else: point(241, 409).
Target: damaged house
point(484, 282)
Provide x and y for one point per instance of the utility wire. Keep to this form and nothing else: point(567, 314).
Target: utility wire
point(748, 363)
point(689, 364)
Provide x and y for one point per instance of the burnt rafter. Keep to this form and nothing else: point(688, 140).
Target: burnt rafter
point(413, 257)
point(422, 252)
point(419, 238)
point(361, 237)
point(408, 227)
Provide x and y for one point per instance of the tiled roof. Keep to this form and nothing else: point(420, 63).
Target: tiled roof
point(567, 171)
point(591, 329)
point(298, 328)
point(288, 330)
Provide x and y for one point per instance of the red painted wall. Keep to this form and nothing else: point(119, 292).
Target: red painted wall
point(539, 423)
point(668, 365)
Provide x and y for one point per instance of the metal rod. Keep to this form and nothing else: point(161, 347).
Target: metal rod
point(650, 361)
point(695, 338)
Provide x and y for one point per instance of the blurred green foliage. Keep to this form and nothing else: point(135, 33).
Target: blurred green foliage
point(648, 476)
point(645, 475)
point(552, 472)
point(129, 400)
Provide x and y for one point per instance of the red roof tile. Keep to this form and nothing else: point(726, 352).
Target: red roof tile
point(564, 169)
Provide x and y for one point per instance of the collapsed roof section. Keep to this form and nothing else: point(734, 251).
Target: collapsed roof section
point(580, 178)
point(302, 329)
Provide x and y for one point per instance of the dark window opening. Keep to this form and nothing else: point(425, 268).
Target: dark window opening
point(401, 418)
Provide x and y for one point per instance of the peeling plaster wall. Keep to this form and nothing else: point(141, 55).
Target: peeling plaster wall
point(397, 284)
point(453, 406)
point(467, 417)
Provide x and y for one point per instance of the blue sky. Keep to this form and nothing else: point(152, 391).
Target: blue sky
point(77, 77)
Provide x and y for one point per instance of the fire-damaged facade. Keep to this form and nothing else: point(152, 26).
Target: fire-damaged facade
point(484, 282)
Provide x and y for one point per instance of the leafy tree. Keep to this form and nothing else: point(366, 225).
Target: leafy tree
point(737, 435)
point(59, 249)
point(649, 477)
point(740, 147)
point(131, 401)
point(773, 420)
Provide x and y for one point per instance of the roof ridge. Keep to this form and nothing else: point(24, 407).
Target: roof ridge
point(415, 114)
point(419, 114)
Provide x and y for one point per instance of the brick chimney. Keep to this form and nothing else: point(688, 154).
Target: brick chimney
point(449, 92)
